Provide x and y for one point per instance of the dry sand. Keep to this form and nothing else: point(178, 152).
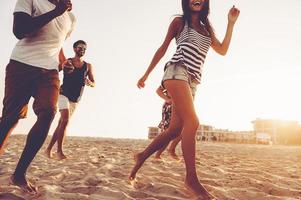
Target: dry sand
point(98, 169)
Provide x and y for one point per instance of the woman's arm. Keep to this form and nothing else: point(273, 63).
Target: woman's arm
point(222, 48)
point(171, 33)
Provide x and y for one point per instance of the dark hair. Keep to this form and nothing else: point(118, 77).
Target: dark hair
point(79, 42)
point(203, 14)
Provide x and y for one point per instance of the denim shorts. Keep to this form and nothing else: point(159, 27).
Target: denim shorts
point(177, 71)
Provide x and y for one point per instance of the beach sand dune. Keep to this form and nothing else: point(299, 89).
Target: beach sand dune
point(98, 168)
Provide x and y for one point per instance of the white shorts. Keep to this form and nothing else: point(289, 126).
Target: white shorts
point(64, 103)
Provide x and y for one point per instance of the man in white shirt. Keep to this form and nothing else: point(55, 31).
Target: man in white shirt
point(41, 27)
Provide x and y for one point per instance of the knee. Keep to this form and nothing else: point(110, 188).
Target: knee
point(46, 114)
point(9, 120)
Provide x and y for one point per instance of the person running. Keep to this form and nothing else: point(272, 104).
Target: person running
point(33, 72)
point(77, 74)
point(194, 36)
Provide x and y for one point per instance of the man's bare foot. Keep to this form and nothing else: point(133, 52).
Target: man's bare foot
point(138, 163)
point(48, 153)
point(25, 185)
point(173, 155)
point(61, 156)
point(198, 190)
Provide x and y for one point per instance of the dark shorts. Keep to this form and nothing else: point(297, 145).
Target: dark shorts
point(23, 82)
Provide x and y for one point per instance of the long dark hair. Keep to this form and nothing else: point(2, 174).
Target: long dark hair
point(203, 14)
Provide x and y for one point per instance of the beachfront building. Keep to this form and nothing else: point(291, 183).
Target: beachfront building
point(153, 132)
point(266, 131)
point(280, 132)
point(209, 133)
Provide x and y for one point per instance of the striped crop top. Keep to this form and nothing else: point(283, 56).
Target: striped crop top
point(192, 48)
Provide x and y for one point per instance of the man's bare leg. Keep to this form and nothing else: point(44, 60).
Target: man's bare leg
point(58, 135)
point(34, 142)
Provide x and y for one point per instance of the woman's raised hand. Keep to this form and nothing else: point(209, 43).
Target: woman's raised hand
point(233, 14)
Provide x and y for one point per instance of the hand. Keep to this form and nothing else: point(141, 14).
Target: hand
point(169, 101)
point(141, 81)
point(62, 6)
point(89, 83)
point(68, 66)
point(233, 14)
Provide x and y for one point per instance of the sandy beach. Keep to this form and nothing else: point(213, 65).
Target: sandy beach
point(98, 168)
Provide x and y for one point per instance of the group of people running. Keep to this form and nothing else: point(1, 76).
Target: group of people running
point(33, 71)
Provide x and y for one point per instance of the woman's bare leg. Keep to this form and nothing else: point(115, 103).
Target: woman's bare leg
point(183, 104)
point(172, 147)
point(160, 141)
point(160, 151)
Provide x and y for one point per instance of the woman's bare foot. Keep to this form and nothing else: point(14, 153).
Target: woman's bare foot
point(61, 156)
point(48, 153)
point(25, 185)
point(198, 190)
point(138, 163)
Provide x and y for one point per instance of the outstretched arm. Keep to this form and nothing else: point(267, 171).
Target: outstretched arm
point(172, 32)
point(25, 25)
point(222, 48)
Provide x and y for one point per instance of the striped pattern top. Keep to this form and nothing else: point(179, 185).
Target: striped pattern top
point(192, 48)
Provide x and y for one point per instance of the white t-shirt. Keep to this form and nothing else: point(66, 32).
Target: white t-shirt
point(41, 49)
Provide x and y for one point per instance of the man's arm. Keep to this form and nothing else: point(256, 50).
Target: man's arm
point(90, 81)
point(62, 59)
point(25, 25)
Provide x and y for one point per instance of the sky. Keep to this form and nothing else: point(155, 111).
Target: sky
point(260, 77)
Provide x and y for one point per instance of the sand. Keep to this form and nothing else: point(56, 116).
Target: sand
point(98, 168)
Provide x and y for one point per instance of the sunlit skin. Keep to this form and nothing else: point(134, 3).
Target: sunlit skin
point(184, 119)
point(60, 132)
point(172, 148)
point(24, 25)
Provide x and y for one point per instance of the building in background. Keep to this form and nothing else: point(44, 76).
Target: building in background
point(280, 132)
point(266, 131)
point(209, 133)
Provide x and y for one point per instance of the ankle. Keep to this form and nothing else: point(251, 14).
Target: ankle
point(18, 177)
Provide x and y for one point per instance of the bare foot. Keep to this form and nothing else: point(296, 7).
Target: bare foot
point(61, 156)
point(139, 162)
point(173, 155)
point(158, 156)
point(48, 153)
point(25, 185)
point(198, 190)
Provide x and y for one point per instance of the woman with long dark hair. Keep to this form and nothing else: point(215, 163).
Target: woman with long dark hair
point(194, 36)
